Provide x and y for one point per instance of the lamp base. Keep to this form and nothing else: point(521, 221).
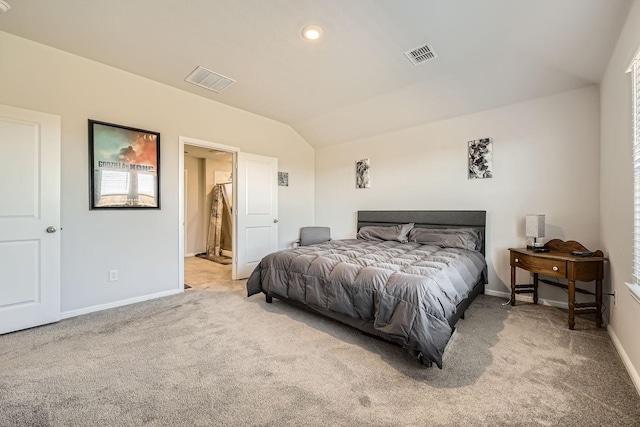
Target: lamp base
point(535, 245)
point(540, 250)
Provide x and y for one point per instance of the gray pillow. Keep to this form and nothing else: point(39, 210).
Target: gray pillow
point(463, 238)
point(398, 233)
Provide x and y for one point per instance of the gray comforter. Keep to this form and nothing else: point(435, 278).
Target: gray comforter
point(408, 291)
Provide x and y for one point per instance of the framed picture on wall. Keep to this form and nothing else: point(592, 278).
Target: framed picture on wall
point(362, 174)
point(124, 167)
point(480, 159)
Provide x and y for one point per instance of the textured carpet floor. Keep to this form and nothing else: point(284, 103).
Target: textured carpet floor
point(211, 356)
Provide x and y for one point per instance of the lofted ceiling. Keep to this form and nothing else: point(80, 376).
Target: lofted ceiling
point(355, 82)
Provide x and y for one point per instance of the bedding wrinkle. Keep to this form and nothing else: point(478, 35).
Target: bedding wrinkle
point(406, 290)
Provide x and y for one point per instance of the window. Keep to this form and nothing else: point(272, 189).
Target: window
point(635, 77)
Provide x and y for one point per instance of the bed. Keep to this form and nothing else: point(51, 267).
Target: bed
point(407, 278)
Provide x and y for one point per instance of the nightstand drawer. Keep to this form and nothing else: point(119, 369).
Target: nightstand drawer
point(547, 267)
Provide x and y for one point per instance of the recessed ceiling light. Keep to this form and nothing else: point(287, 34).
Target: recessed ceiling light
point(4, 6)
point(312, 32)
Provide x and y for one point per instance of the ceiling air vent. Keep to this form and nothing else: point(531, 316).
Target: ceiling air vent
point(420, 54)
point(209, 80)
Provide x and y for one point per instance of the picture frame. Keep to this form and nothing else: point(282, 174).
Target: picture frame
point(480, 159)
point(362, 174)
point(283, 179)
point(124, 167)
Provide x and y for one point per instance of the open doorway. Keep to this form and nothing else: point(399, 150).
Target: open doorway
point(255, 210)
point(208, 216)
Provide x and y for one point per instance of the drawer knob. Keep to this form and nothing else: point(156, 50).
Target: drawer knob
point(555, 268)
point(516, 260)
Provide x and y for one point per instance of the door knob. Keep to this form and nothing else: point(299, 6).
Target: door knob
point(51, 229)
point(275, 221)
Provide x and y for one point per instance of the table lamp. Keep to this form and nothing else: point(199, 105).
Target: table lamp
point(535, 229)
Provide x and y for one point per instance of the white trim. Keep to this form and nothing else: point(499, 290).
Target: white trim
point(186, 210)
point(633, 373)
point(226, 253)
point(635, 91)
point(527, 298)
point(206, 144)
point(634, 58)
point(74, 313)
point(189, 255)
point(634, 290)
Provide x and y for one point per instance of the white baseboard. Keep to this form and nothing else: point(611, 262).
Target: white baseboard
point(226, 253)
point(633, 373)
point(527, 298)
point(79, 312)
point(190, 255)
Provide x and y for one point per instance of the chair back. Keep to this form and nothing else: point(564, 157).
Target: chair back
point(314, 235)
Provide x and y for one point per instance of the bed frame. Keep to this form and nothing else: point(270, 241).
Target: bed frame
point(421, 219)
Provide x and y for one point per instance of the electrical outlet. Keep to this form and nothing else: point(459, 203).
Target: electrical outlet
point(113, 275)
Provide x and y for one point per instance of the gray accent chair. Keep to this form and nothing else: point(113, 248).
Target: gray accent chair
point(314, 235)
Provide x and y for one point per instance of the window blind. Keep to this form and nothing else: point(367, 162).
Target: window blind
point(635, 72)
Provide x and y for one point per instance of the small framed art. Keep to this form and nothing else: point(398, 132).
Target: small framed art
point(480, 159)
point(362, 174)
point(283, 179)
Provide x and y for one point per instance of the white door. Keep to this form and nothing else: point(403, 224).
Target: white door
point(29, 219)
point(257, 211)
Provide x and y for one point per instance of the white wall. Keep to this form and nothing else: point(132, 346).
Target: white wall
point(616, 190)
point(196, 208)
point(142, 245)
point(545, 160)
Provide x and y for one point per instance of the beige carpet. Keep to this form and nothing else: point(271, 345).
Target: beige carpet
point(211, 356)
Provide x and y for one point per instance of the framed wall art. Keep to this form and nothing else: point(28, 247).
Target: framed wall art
point(283, 179)
point(480, 159)
point(362, 174)
point(124, 167)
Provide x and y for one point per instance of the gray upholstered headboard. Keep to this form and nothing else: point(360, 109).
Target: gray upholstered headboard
point(432, 219)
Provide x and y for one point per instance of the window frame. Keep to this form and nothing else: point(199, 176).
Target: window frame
point(634, 69)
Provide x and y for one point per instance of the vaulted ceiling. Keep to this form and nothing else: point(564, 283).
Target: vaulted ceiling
point(355, 81)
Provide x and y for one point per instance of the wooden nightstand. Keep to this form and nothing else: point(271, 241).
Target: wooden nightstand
point(559, 262)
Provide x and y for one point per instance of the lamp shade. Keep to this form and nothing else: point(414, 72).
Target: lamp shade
point(535, 226)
